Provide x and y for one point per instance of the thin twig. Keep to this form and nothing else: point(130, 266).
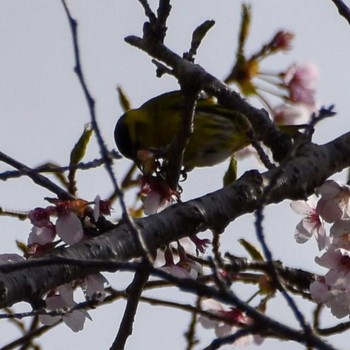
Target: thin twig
point(52, 168)
point(191, 333)
point(230, 339)
point(274, 274)
point(36, 177)
point(178, 146)
point(103, 149)
point(134, 293)
point(27, 337)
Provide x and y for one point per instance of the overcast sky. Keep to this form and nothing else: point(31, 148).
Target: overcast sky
point(43, 112)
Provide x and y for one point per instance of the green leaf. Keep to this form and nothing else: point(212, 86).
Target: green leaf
point(80, 147)
point(246, 16)
point(254, 253)
point(123, 100)
point(77, 155)
point(231, 172)
point(21, 246)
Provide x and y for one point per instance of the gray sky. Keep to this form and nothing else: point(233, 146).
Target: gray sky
point(43, 113)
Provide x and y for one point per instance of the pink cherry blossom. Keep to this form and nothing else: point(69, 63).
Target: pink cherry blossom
point(235, 319)
point(340, 234)
point(69, 228)
point(97, 212)
point(177, 271)
point(339, 302)
point(93, 286)
point(62, 300)
point(282, 41)
point(101, 207)
point(191, 267)
point(184, 268)
point(336, 299)
point(334, 204)
point(157, 194)
point(42, 235)
point(311, 225)
point(39, 217)
point(155, 203)
point(300, 81)
point(320, 291)
point(292, 113)
point(337, 260)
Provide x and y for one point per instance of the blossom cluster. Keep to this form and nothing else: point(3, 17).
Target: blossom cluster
point(68, 216)
point(332, 205)
point(299, 80)
point(295, 86)
point(68, 226)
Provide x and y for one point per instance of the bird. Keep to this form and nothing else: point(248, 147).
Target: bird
point(218, 132)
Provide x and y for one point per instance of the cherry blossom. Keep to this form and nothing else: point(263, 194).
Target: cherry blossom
point(62, 300)
point(320, 290)
point(69, 228)
point(101, 207)
point(336, 299)
point(337, 260)
point(42, 235)
point(282, 41)
point(178, 271)
point(184, 268)
point(340, 234)
point(234, 317)
point(339, 303)
point(192, 268)
point(68, 225)
point(157, 194)
point(334, 204)
point(39, 217)
point(93, 286)
point(311, 225)
point(300, 81)
point(292, 113)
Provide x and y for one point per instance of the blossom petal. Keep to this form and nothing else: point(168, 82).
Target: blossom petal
point(48, 320)
point(152, 203)
point(301, 207)
point(301, 234)
point(41, 235)
point(75, 320)
point(69, 228)
point(97, 211)
point(329, 189)
point(94, 285)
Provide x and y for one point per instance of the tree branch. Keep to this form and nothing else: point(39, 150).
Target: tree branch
point(187, 73)
point(36, 177)
point(343, 9)
point(299, 176)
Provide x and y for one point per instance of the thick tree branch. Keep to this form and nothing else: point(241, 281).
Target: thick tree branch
point(297, 178)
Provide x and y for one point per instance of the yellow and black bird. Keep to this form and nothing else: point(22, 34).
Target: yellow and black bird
point(218, 132)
